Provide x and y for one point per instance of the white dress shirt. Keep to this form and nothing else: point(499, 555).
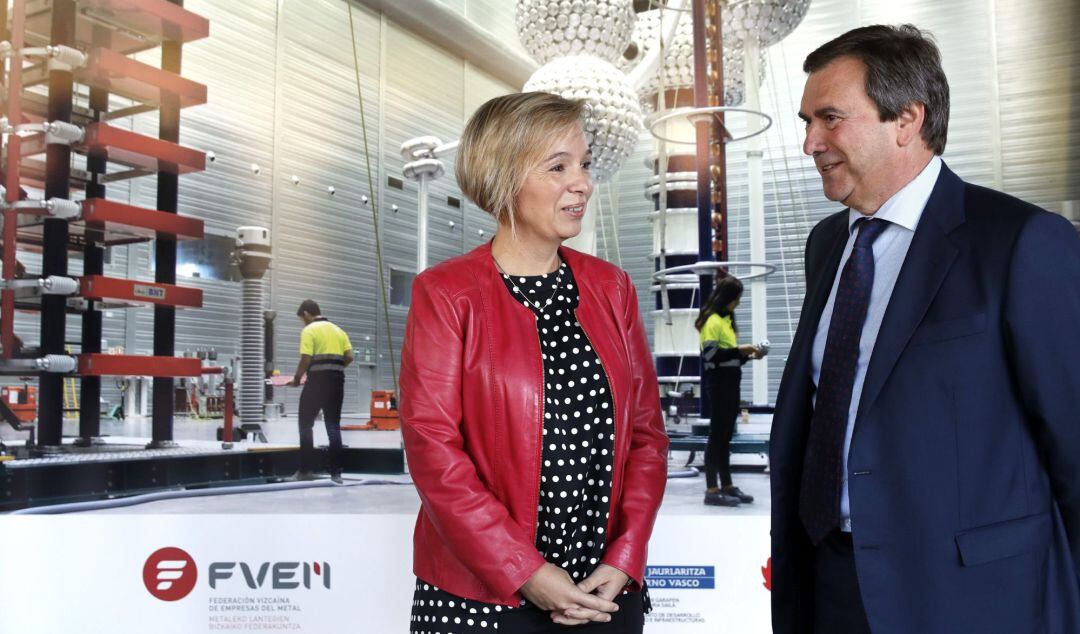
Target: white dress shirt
point(903, 212)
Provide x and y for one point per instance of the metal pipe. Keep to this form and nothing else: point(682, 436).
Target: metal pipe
point(662, 175)
point(703, 128)
point(704, 199)
point(653, 60)
point(759, 286)
point(14, 104)
point(422, 223)
point(165, 255)
point(55, 234)
point(227, 433)
point(93, 264)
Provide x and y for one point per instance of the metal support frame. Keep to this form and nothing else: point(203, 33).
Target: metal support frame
point(14, 103)
point(55, 234)
point(703, 131)
point(165, 255)
point(93, 264)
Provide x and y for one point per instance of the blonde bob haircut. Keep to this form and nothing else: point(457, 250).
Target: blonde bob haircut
point(504, 139)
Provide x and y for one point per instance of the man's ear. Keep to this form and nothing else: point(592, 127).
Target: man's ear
point(909, 123)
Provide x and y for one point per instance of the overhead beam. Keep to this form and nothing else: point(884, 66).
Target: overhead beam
point(452, 32)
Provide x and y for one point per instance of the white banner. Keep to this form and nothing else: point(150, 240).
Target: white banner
point(317, 574)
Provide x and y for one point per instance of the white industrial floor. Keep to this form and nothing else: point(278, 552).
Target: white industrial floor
point(368, 493)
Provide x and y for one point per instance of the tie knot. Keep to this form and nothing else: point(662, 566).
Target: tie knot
point(869, 229)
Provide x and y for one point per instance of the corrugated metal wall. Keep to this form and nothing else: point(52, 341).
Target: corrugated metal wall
point(282, 95)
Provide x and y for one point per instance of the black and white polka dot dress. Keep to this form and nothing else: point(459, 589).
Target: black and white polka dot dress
point(575, 476)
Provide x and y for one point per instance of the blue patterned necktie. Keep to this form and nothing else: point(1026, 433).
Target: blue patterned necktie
point(822, 478)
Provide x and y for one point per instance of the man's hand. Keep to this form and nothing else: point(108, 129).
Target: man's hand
point(295, 382)
point(749, 350)
point(551, 589)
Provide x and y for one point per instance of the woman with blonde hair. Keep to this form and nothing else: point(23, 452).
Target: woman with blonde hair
point(530, 409)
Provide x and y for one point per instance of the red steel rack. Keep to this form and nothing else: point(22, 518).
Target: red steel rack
point(108, 31)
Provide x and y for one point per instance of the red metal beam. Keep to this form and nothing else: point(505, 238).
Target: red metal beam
point(129, 78)
point(140, 221)
point(140, 151)
point(100, 287)
point(133, 365)
point(158, 19)
point(142, 24)
point(112, 223)
point(228, 431)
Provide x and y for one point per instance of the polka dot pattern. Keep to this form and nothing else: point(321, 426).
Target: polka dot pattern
point(576, 459)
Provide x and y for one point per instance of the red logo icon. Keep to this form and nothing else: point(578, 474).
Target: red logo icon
point(170, 574)
point(766, 571)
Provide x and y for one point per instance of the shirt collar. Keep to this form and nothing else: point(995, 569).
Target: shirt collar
point(906, 206)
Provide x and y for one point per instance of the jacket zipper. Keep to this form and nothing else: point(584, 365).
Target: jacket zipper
point(540, 430)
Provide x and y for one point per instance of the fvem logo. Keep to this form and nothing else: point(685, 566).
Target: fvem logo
point(170, 574)
point(281, 575)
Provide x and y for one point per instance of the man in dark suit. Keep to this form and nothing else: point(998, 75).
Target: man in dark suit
point(926, 443)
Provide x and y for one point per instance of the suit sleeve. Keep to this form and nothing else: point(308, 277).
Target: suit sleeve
point(645, 473)
point(1042, 321)
point(791, 563)
point(472, 523)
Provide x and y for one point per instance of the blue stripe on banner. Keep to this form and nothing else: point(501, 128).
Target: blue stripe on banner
point(682, 583)
point(681, 577)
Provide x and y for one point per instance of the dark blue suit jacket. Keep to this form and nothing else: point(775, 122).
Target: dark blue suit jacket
point(964, 466)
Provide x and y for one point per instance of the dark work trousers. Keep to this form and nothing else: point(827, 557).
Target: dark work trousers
point(838, 607)
point(630, 619)
point(723, 385)
point(324, 391)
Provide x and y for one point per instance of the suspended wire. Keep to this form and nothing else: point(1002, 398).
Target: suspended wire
point(776, 205)
point(374, 202)
point(682, 355)
point(603, 229)
point(800, 202)
point(613, 213)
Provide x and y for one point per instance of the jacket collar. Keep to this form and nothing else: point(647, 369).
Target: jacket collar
point(488, 276)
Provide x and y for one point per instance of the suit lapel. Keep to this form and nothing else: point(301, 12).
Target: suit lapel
point(818, 293)
point(793, 401)
point(928, 260)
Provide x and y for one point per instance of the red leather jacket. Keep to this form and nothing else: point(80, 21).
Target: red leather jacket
point(472, 417)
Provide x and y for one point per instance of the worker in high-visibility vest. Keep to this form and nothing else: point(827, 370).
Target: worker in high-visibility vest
point(325, 352)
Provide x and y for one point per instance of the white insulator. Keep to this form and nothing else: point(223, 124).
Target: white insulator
point(63, 208)
point(420, 147)
point(63, 133)
point(5, 49)
point(252, 236)
point(58, 285)
point(65, 58)
point(59, 363)
point(252, 370)
point(430, 167)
